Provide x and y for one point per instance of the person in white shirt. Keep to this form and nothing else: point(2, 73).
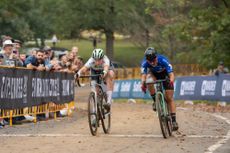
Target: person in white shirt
point(100, 64)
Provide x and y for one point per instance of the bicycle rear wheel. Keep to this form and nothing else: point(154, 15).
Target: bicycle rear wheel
point(92, 114)
point(163, 118)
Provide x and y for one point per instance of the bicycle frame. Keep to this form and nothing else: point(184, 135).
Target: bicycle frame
point(158, 85)
point(98, 90)
point(162, 108)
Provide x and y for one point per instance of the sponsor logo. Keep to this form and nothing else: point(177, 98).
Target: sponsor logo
point(225, 88)
point(137, 86)
point(208, 87)
point(187, 88)
point(116, 87)
point(125, 86)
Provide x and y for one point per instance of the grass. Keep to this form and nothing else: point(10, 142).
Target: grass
point(124, 51)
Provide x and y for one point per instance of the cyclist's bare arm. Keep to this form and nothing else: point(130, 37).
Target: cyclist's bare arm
point(143, 78)
point(171, 76)
point(83, 70)
point(106, 69)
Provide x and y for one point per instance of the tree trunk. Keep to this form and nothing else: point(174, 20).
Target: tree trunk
point(42, 42)
point(36, 41)
point(171, 48)
point(225, 3)
point(109, 43)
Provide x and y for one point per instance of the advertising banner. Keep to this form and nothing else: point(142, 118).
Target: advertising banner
point(25, 88)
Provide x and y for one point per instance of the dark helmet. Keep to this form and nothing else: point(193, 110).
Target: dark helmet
point(150, 54)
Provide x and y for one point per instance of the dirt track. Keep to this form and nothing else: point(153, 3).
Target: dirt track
point(135, 129)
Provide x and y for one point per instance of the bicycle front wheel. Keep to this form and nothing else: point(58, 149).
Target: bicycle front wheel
point(106, 115)
point(163, 118)
point(169, 121)
point(92, 114)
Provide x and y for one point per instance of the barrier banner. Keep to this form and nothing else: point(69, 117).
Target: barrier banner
point(116, 89)
point(125, 88)
point(136, 91)
point(25, 88)
point(215, 88)
point(129, 89)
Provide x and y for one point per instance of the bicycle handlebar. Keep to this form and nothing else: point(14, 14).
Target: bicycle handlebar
point(88, 76)
point(157, 81)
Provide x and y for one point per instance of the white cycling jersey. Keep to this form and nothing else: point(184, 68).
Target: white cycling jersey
point(91, 63)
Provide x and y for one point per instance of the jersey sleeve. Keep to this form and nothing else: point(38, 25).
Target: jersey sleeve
point(106, 60)
point(144, 67)
point(167, 65)
point(88, 64)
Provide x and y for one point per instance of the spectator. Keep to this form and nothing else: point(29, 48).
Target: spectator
point(1, 59)
point(17, 47)
point(37, 62)
point(74, 51)
point(33, 51)
point(49, 52)
point(23, 58)
point(3, 38)
point(65, 64)
point(221, 69)
point(54, 40)
point(47, 56)
point(70, 57)
point(56, 66)
point(77, 64)
point(9, 58)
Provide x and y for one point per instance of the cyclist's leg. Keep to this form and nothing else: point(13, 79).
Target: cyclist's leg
point(151, 89)
point(169, 91)
point(109, 83)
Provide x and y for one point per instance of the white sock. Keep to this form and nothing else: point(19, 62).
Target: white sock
point(109, 97)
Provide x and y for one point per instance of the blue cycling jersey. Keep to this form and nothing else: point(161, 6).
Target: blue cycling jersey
point(162, 65)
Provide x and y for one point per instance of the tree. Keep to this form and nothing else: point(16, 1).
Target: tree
point(195, 29)
point(108, 16)
point(209, 30)
point(12, 22)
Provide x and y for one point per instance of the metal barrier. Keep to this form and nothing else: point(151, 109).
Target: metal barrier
point(35, 110)
point(49, 107)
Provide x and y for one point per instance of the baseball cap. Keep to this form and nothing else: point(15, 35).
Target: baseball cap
point(7, 42)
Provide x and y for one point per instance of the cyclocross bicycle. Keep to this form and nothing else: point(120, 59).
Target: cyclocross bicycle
point(162, 108)
point(96, 112)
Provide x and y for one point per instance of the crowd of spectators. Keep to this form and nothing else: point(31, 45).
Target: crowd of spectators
point(42, 59)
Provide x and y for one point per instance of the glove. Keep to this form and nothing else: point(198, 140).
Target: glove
point(77, 75)
point(104, 73)
point(143, 87)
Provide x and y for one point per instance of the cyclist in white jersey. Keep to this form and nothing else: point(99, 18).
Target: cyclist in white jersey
point(100, 64)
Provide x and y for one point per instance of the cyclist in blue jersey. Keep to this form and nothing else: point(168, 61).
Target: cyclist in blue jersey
point(155, 67)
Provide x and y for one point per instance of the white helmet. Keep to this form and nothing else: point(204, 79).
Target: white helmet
point(98, 54)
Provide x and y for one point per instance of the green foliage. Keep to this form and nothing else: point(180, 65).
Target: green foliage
point(211, 28)
point(11, 21)
point(192, 31)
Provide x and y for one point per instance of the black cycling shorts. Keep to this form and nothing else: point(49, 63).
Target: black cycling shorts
point(163, 75)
